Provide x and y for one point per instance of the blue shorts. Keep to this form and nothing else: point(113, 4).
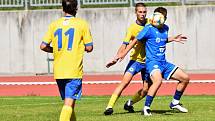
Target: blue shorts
point(135, 67)
point(167, 69)
point(70, 88)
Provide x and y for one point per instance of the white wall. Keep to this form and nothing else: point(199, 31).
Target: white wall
point(22, 32)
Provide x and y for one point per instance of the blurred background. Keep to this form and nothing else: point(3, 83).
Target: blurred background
point(24, 23)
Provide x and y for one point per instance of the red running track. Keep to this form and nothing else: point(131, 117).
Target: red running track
point(99, 89)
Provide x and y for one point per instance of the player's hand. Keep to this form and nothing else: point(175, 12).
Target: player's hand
point(112, 62)
point(121, 56)
point(180, 38)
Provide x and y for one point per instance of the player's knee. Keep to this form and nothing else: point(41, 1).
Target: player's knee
point(186, 79)
point(158, 82)
point(125, 82)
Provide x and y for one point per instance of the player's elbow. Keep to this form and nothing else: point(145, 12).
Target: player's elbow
point(89, 48)
point(42, 46)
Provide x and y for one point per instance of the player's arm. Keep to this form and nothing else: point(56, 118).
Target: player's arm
point(127, 49)
point(142, 36)
point(47, 39)
point(46, 47)
point(89, 48)
point(179, 38)
point(127, 39)
point(115, 59)
point(87, 38)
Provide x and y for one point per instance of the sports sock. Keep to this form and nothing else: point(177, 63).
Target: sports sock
point(66, 113)
point(136, 98)
point(73, 116)
point(149, 100)
point(177, 97)
point(112, 101)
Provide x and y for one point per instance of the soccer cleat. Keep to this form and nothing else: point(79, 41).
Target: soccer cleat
point(178, 107)
point(146, 111)
point(108, 111)
point(129, 107)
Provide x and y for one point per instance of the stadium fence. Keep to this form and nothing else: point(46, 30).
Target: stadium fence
point(41, 3)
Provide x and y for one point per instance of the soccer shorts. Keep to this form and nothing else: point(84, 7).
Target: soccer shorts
point(135, 67)
point(70, 88)
point(167, 69)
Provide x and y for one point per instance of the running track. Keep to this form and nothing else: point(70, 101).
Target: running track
point(201, 84)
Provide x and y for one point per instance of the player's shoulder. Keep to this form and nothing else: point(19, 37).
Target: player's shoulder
point(80, 20)
point(148, 26)
point(166, 27)
point(56, 22)
point(132, 25)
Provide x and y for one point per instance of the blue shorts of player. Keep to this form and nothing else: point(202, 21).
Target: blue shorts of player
point(135, 67)
point(70, 88)
point(167, 69)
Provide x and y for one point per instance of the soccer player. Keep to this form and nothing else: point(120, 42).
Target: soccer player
point(156, 37)
point(136, 63)
point(70, 37)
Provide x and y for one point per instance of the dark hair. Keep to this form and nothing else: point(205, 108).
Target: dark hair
point(139, 5)
point(161, 10)
point(70, 6)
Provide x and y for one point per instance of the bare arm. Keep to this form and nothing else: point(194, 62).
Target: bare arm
point(128, 48)
point(46, 48)
point(179, 38)
point(115, 59)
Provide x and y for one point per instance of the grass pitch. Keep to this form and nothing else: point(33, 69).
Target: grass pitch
point(201, 108)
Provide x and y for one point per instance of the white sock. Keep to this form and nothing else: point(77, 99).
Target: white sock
point(129, 103)
point(146, 107)
point(174, 101)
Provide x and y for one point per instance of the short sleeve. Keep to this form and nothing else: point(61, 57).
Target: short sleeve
point(128, 36)
point(49, 35)
point(144, 33)
point(87, 38)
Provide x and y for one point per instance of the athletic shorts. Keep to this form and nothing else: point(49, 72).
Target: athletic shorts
point(167, 69)
point(135, 67)
point(70, 88)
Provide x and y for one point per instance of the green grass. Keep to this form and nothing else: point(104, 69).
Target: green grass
point(201, 108)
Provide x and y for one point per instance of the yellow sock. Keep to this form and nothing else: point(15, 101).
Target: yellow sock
point(112, 101)
point(73, 116)
point(136, 98)
point(66, 113)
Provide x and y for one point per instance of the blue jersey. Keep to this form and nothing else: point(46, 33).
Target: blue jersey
point(156, 40)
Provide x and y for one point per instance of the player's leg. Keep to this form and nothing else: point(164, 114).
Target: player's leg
point(155, 69)
point(127, 77)
point(183, 79)
point(140, 94)
point(156, 78)
point(117, 92)
point(70, 91)
point(67, 112)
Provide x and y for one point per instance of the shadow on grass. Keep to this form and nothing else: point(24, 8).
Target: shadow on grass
point(163, 112)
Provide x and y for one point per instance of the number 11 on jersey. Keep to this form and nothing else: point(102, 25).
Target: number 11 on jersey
point(69, 33)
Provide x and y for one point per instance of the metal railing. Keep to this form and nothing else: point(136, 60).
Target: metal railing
point(90, 2)
point(11, 3)
point(45, 2)
point(155, 1)
point(38, 3)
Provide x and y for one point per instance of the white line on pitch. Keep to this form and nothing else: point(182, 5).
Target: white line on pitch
point(97, 82)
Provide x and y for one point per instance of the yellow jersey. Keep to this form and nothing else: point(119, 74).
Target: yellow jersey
point(138, 51)
point(68, 36)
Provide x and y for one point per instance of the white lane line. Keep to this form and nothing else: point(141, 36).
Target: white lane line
point(97, 82)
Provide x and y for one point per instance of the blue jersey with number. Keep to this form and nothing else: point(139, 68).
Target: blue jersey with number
point(156, 40)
